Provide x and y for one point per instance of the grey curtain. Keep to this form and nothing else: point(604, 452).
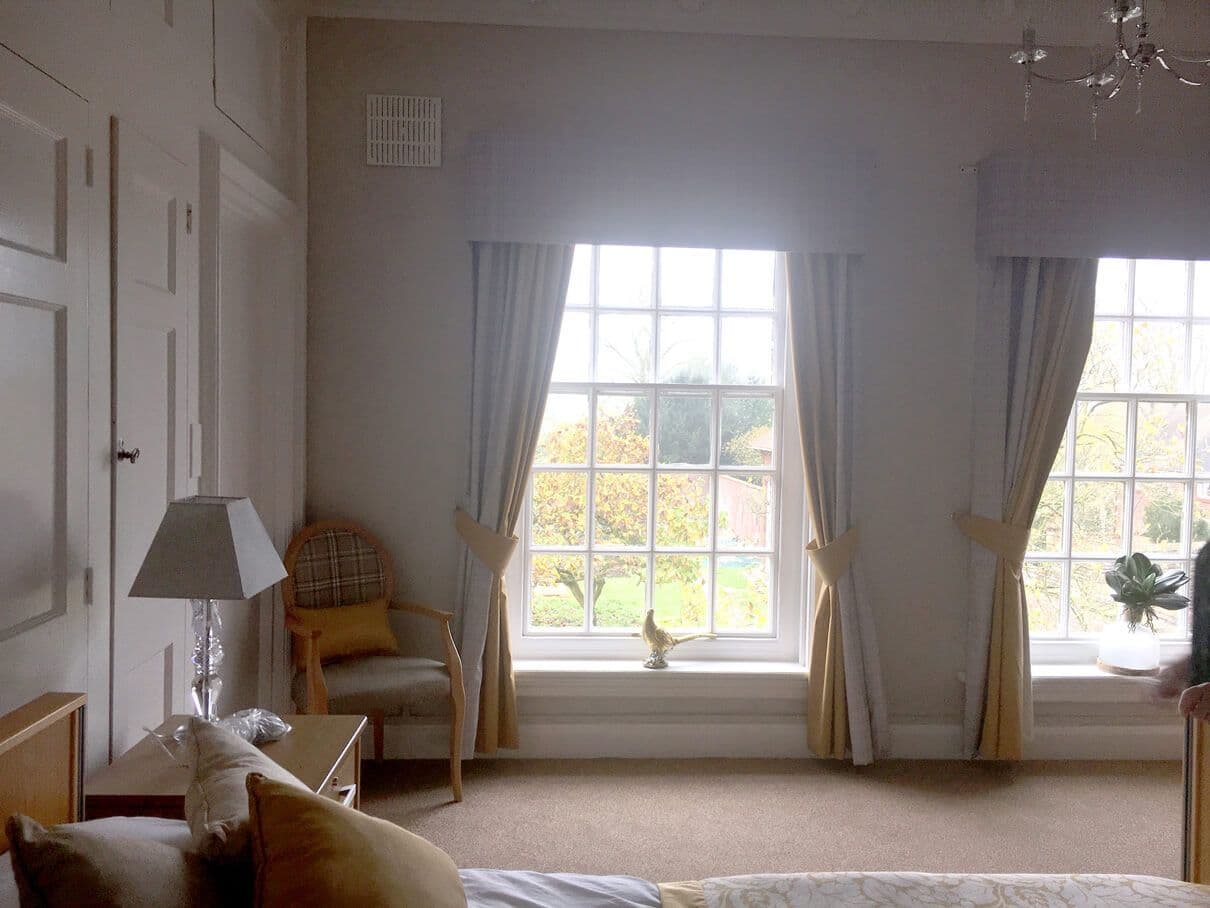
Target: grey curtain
point(1035, 327)
point(846, 704)
point(519, 291)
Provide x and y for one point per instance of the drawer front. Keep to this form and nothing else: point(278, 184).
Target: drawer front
point(344, 775)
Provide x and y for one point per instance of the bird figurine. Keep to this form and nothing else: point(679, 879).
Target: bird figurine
point(660, 642)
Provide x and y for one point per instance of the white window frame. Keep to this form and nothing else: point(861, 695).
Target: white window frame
point(1068, 648)
point(785, 641)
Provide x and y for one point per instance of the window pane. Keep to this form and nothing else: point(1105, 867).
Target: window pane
point(573, 359)
point(563, 438)
point(1101, 436)
point(579, 288)
point(560, 508)
point(684, 429)
point(1160, 287)
point(1096, 525)
point(1201, 515)
point(623, 429)
point(623, 348)
point(1060, 464)
point(748, 279)
point(1091, 607)
point(687, 278)
point(1202, 442)
point(745, 511)
point(1105, 368)
point(747, 351)
point(1113, 285)
point(742, 599)
point(747, 439)
point(1159, 513)
point(1199, 369)
point(620, 508)
point(624, 278)
point(1161, 437)
point(619, 588)
point(682, 592)
point(682, 510)
point(1047, 532)
point(1158, 358)
point(556, 591)
point(686, 349)
point(1201, 289)
point(1042, 593)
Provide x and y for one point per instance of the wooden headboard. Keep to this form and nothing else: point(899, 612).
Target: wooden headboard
point(41, 744)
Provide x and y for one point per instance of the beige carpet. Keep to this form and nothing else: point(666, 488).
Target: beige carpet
point(684, 819)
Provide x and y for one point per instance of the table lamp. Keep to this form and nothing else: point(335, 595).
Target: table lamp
point(208, 548)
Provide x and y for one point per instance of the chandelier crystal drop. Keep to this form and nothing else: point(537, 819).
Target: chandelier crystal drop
point(1111, 69)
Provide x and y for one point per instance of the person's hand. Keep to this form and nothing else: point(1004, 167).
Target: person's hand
point(1171, 681)
point(1195, 702)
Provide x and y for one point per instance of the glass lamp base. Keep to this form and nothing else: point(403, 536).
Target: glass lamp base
point(207, 656)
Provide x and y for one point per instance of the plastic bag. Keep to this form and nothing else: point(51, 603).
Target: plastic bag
point(257, 726)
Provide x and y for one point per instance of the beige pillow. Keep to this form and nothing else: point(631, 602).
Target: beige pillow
point(216, 802)
point(350, 630)
point(310, 850)
point(73, 865)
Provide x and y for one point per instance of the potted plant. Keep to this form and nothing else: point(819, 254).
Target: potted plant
point(1139, 584)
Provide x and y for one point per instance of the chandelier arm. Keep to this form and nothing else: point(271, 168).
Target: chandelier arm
point(1185, 57)
point(1059, 80)
point(1176, 75)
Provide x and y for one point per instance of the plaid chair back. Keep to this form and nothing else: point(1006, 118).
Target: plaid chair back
point(338, 567)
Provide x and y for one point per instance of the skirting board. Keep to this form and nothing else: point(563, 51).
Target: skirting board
point(775, 738)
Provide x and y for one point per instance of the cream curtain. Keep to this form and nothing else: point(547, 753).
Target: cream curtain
point(1035, 327)
point(846, 706)
point(519, 291)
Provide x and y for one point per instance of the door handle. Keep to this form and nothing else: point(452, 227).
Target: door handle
point(123, 454)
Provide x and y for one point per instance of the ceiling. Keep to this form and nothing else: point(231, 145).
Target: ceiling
point(1184, 24)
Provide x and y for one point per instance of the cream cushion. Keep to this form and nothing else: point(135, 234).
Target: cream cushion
point(80, 864)
point(311, 850)
point(216, 802)
point(392, 685)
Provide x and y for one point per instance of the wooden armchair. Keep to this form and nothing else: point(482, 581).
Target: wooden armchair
point(337, 563)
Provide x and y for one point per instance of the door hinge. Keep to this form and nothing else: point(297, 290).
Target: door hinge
point(88, 586)
point(189, 217)
point(87, 165)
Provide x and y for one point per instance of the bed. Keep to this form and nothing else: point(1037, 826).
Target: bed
point(40, 760)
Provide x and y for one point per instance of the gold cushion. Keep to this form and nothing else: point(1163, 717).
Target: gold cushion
point(310, 850)
point(351, 630)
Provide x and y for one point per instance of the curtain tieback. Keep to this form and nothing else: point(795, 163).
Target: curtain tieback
point(833, 558)
point(494, 550)
point(1004, 539)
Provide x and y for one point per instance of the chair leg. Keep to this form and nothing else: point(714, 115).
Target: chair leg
point(379, 721)
point(457, 708)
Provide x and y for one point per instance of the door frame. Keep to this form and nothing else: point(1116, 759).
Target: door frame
point(227, 183)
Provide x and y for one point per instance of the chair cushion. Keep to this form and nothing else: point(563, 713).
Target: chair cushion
point(216, 801)
point(77, 864)
point(392, 685)
point(310, 850)
point(350, 630)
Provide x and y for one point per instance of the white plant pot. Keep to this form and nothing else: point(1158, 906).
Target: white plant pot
point(1127, 650)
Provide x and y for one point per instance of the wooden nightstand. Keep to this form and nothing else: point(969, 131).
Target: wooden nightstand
point(323, 751)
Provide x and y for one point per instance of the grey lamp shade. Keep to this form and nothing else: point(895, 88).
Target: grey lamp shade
point(208, 548)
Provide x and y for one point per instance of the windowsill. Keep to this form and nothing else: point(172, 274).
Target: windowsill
point(633, 667)
point(626, 678)
point(1085, 683)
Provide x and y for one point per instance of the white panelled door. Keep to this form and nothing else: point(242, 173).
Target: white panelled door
point(43, 384)
point(152, 287)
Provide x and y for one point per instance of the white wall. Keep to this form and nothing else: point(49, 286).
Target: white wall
point(389, 267)
point(152, 64)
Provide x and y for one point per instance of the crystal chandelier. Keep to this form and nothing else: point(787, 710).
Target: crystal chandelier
point(1112, 68)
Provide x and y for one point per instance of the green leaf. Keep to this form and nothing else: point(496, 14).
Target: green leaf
point(1172, 602)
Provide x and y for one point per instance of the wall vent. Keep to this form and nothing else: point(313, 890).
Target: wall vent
point(403, 131)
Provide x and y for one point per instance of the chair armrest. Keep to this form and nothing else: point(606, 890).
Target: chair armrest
point(306, 655)
point(424, 611)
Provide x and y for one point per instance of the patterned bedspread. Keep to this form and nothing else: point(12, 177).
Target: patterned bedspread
point(919, 890)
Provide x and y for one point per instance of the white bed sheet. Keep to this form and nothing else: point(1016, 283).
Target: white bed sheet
point(528, 889)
